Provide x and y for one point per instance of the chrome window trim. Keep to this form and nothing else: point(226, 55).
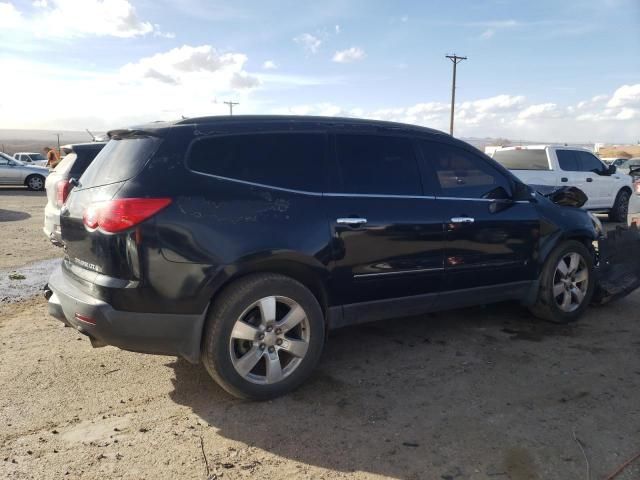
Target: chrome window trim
point(355, 195)
point(398, 272)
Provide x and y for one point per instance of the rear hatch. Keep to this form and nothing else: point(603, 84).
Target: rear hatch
point(96, 236)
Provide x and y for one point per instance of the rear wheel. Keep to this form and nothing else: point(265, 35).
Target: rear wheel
point(264, 336)
point(620, 208)
point(566, 284)
point(35, 182)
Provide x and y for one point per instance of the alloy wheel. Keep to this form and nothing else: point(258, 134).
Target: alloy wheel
point(570, 282)
point(269, 340)
point(36, 183)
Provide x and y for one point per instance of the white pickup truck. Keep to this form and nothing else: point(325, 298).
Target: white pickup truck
point(559, 166)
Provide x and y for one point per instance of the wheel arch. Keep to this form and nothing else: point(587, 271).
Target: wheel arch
point(31, 175)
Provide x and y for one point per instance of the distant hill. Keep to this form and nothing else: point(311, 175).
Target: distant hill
point(12, 141)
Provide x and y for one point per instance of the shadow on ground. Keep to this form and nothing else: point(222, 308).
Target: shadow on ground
point(397, 398)
point(12, 215)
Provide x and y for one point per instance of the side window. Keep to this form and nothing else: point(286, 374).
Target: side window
point(589, 163)
point(4, 162)
point(286, 160)
point(463, 174)
point(568, 160)
point(377, 165)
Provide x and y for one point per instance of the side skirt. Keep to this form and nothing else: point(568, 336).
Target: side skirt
point(356, 313)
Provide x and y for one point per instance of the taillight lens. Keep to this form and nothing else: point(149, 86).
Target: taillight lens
point(63, 187)
point(117, 215)
point(636, 186)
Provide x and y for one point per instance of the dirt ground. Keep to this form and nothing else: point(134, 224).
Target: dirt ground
point(21, 222)
point(479, 393)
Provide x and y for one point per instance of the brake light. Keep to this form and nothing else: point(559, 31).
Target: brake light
point(636, 186)
point(63, 187)
point(117, 215)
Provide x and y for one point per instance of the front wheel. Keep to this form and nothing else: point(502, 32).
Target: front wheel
point(620, 208)
point(566, 284)
point(264, 336)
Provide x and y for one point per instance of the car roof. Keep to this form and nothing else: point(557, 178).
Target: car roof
point(26, 153)
point(308, 120)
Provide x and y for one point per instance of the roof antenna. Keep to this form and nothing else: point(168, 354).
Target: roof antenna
point(93, 138)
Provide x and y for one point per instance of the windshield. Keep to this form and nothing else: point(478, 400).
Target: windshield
point(522, 159)
point(36, 157)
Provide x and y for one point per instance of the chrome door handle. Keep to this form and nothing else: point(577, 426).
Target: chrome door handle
point(462, 220)
point(351, 221)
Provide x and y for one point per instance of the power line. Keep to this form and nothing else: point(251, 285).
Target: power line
point(231, 104)
point(455, 59)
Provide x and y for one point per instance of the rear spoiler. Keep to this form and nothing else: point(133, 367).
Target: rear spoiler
point(130, 133)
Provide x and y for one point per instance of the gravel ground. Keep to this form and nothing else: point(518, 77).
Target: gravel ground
point(478, 393)
point(21, 222)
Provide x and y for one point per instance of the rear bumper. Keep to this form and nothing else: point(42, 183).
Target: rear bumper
point(164, 334)
point(52, 225)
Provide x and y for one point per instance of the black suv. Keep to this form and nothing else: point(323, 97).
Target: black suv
point(240, 241)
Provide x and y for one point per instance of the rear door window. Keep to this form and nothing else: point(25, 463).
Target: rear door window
point(524, 159)
point(85, 157)
point(120, 160)
point(293, 161)
point(377, 165)
point(568, 160)
point(463, 174)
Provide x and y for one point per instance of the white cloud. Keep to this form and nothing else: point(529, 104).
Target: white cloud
point(542, 110)
point(625, 96)
point(78, 18)
point(488, 33)
point(10, 17)
point(337, 29)
point(309, 42)
point(269, 65)
point(512, 116)
point(349, 55)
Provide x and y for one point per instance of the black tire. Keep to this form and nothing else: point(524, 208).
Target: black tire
point(35, 182)
point(230, 306)
point(546, 306)
point(620, 208)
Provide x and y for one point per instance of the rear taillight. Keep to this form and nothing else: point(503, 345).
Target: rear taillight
point(636, 186)
point(117, 215)
point(63, 187)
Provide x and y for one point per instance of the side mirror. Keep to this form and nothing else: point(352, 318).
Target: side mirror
point(611, 170)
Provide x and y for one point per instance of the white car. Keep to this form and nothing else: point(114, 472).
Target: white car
point(31, 158)
point(557, 166)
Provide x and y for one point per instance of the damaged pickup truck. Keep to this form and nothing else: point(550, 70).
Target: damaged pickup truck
point(239, 241)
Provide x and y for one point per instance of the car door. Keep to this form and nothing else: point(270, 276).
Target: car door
point(5, 170)
point(387, 233)
point(605, 186)
point(490, 239)
point(573, 175)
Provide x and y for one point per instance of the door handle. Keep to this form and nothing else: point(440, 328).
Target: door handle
point(353, 221)
point(462, 220)
point(564, 179)
point(589, 179)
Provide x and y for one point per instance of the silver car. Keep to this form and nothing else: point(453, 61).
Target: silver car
point(14, 172)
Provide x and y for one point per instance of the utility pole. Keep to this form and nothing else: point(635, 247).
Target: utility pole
point(231, 104)
point(456, 60)
point(58, 135)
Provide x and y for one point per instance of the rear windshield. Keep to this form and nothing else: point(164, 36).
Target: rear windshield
point(119, 160)
point(66, 163)
point(522, 159)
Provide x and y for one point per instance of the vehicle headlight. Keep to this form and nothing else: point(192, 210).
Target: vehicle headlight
point(597, 224)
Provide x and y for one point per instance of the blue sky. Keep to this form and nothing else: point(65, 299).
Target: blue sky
point(547, 70)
